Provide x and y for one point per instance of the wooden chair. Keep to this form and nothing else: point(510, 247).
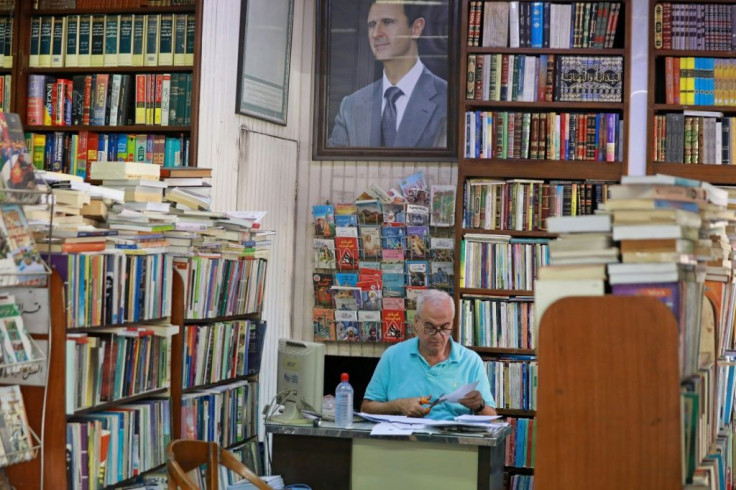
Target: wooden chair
point(183, 456)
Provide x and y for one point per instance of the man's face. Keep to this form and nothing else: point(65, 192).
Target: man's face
point(389, 31)
point(434, 316)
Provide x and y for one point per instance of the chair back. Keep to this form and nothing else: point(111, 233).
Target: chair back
point(183, 456)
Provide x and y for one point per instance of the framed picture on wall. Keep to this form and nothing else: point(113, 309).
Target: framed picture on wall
point(386, 79)
point(263, 59)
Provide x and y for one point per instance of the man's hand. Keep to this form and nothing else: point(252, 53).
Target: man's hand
point(412, 407)
point(472, 400)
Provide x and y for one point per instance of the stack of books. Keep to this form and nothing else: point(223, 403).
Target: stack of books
point(577, 260)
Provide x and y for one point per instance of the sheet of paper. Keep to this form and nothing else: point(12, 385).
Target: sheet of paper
point(459, 393)
point(477, 419)
point(391, 429)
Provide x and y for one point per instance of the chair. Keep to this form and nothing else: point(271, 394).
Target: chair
point(183, 456)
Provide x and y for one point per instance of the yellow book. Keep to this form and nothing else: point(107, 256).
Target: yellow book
point(690, 94)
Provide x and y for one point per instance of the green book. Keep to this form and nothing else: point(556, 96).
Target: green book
point(72, 41)
point(35, 41)
point(191, 27)
point(180, 39)
point(83, 51)
point(97, 52)
point(44, 50)
point(166, 40)
point(188, 99)
point(8, 53)
point(111, 40)
point(139, 29)
point(57, 41)
point(125, 46)
point(151, 48)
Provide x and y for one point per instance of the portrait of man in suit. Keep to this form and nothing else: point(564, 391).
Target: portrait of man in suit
point(406, 106)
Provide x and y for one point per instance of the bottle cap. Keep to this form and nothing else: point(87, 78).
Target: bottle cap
point(344, 377)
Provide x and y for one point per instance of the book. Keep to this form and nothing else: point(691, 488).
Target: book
point(417, 242)
point(347, 253)
point(324, 324)
point(415, 191)
point(442, 199)
point(570, 224)
point(370, 326)
point(322, 289)
point(393, 327)
point(346, 326)
point(324, 253)
point(370, 240)
point(324, 220)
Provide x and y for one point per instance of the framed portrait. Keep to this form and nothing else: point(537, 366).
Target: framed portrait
point(386, 79)
point(263, 59)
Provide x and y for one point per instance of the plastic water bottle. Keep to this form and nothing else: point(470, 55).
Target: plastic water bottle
point(344, 402)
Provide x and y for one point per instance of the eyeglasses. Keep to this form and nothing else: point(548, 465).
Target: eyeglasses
point(430, 329)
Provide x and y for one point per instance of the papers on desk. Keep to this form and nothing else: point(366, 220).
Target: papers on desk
point(399, 425)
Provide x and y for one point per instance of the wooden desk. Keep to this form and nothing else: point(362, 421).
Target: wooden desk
point(330, 458)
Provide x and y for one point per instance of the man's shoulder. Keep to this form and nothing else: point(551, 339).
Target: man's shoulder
point(440, 83)
point(464, 354)
point(401, 349)
point(363, 94)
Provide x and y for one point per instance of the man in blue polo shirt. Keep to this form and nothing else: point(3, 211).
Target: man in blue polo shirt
point(427, 366)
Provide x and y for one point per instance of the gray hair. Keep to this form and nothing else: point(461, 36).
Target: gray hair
point(434, 296)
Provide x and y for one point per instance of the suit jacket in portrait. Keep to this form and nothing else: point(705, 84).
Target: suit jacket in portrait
point(424, 124)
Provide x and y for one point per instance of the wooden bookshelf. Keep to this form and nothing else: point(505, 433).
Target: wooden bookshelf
point(657, 103)
point(542, 169)
point(22, 70)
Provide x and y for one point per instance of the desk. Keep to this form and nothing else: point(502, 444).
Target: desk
point(331, 458)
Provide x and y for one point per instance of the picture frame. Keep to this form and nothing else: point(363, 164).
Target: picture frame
point(264, 58)
point(355, 50)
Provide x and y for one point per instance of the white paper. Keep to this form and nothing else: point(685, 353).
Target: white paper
point(459, 393)
point(389, 429)
point(475, 419)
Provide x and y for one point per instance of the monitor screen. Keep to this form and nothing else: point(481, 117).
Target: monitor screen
point(301, 368)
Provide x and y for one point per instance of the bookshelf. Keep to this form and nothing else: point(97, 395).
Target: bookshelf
point(136, 89)
point(229, 325)
point(526, 86)
point(675, 87)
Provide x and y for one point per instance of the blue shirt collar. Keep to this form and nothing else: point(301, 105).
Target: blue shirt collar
point(454, 351)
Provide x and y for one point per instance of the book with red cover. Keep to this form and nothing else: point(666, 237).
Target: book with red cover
point(393, 327)
point(347, 253)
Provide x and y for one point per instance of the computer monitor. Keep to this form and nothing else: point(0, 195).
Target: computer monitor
point(300, 379)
